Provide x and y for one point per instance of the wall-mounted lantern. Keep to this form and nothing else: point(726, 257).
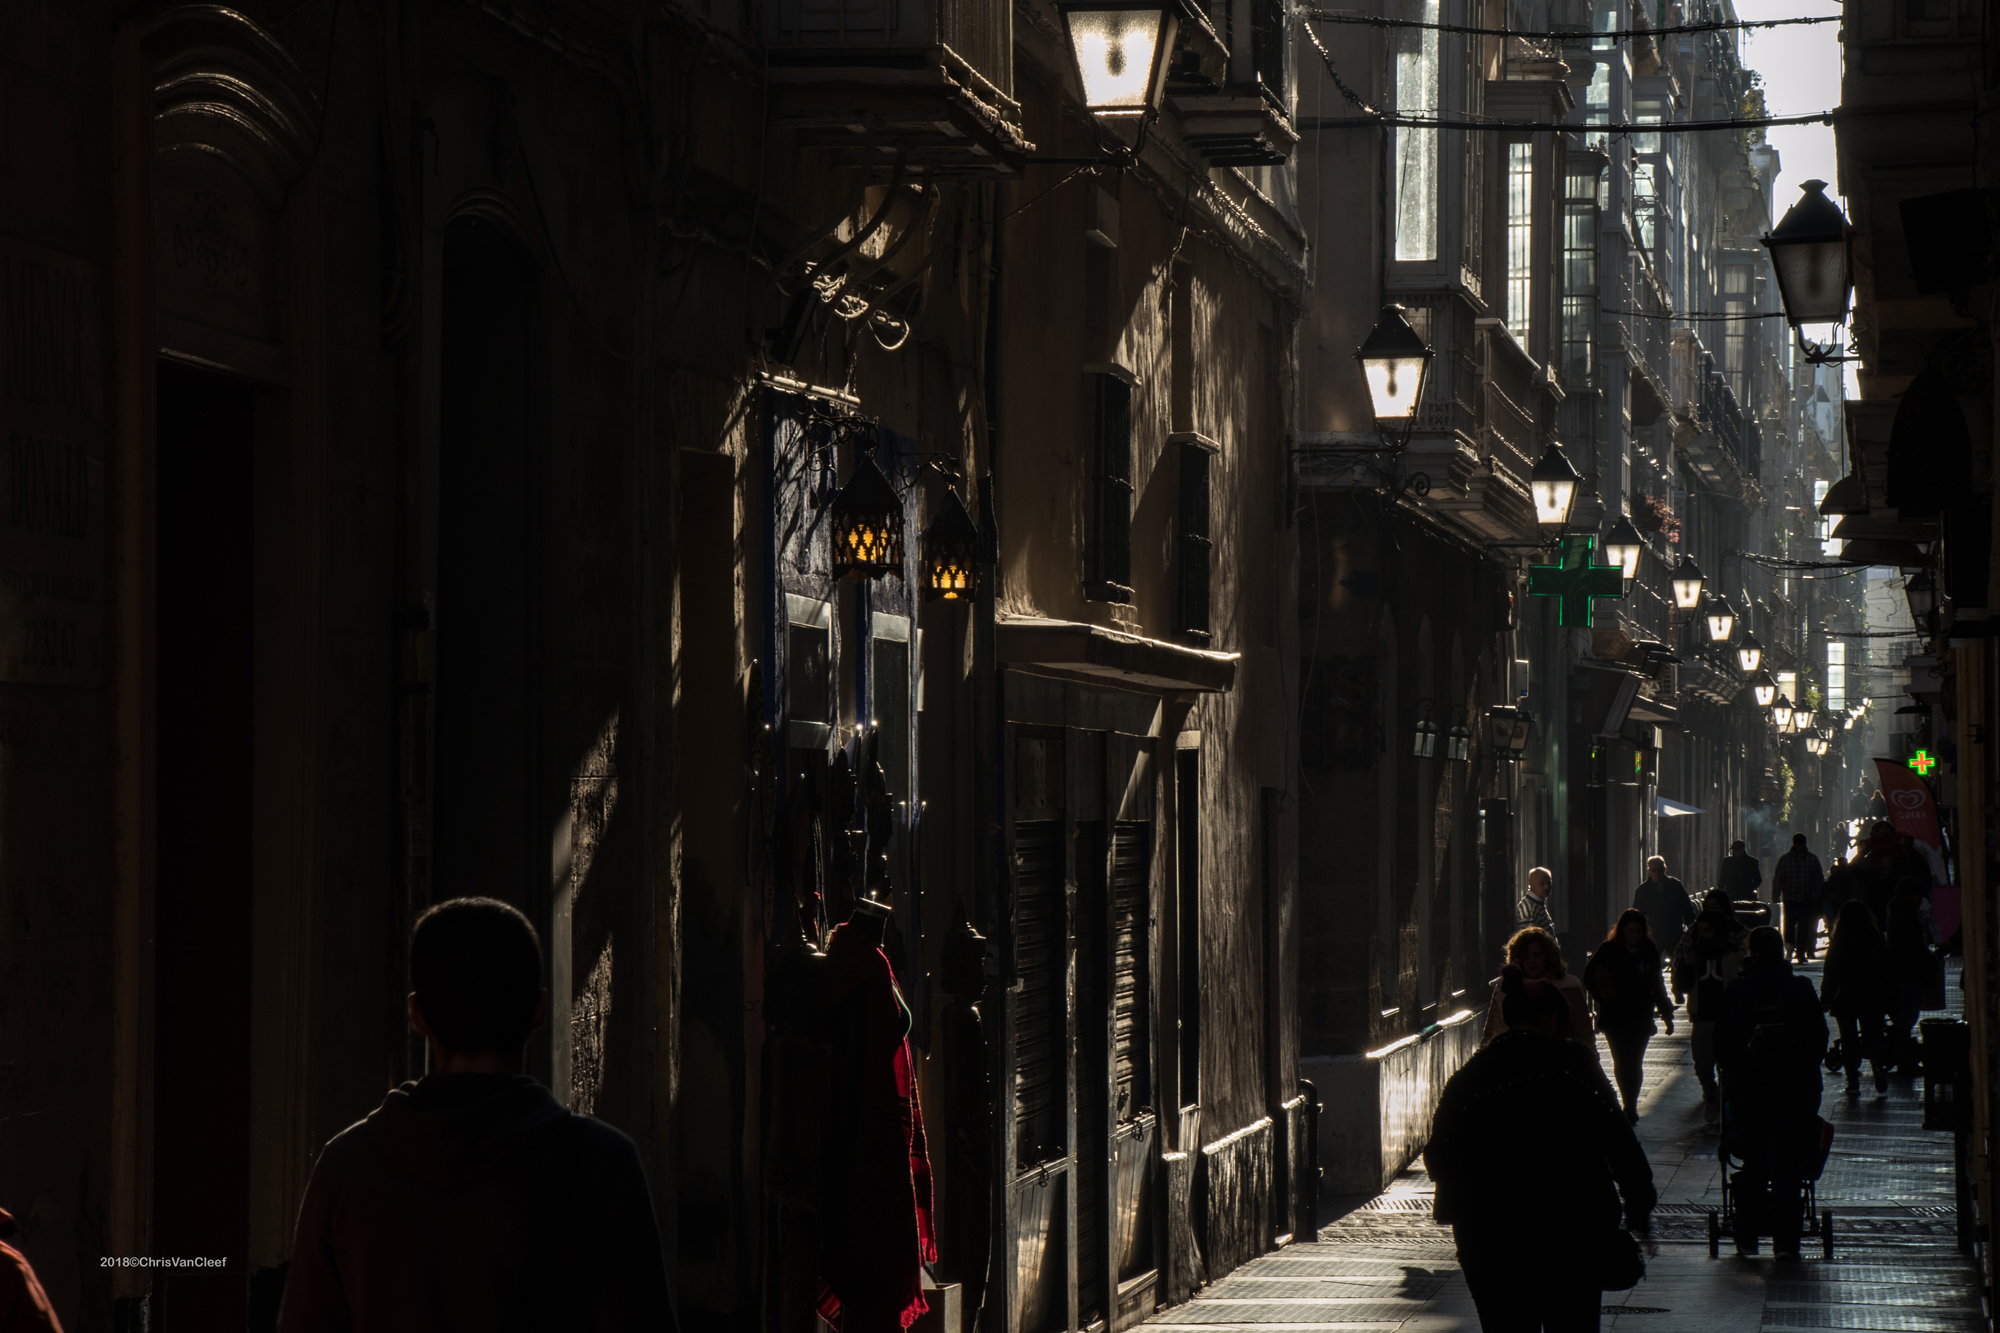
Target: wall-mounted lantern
point(1507, 729)
point(1921, 589)
point(1121, 52)
point(1781, 714)
point(1763, 689)
point(1802, 718)
point(1687, 584)
point(1721, 620)
point(1394, 360)
point(1809, 252)
point(1623, 547)
point(867, 524)
point(1553, 484)
point(951, 553)
point(1425, 738)
point(1458, 741)
point(1749, 654)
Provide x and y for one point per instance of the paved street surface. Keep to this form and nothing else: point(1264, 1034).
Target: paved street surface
point(1381, 1264)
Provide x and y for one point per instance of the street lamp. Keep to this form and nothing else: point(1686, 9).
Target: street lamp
point(1394, 360)
point(1458, 741)
point(1424, 746)
point(1763, 689)
point(1809, 253)
point(1687, 585)
point(1781, 714)
point(1922, 592)
point(1553, 484)
point(1721, 620)
point(1622, 547)
point(1802, 718)
point(1121, 52)
point(867, 524)
point(951, 553)
point(1749, 653)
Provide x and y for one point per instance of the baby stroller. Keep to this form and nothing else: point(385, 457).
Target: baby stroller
point(1815, 1221)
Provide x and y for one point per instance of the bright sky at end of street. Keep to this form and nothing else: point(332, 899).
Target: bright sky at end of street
point(1801, 67)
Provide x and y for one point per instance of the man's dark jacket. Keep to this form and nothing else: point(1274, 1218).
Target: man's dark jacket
point(1527, 1120)
point(476, 1202)
point(1669, 910)
point(1763, 990)
point(1739, 876)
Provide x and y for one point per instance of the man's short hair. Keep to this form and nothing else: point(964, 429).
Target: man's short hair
point(1659, 861)
point(476, 967)
point(1798, 840)
point(1736, 846)
point(1543, 871)
point(1767, 943)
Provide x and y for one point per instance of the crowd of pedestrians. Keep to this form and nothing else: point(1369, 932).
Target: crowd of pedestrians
point(1759, 1035)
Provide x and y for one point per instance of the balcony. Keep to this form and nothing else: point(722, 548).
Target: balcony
point(926, 81)
point(1231, 121)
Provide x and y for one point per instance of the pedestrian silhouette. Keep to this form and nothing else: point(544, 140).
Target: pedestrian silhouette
point(471, 1198)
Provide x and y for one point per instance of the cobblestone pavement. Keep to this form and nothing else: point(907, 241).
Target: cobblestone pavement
point(1381, 1264)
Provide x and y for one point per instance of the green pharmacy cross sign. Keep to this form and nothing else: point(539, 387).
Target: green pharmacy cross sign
point(1575, 582)
point(1923, 761)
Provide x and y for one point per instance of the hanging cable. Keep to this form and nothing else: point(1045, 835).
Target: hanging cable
point(1618, 128)
point(1718, 25)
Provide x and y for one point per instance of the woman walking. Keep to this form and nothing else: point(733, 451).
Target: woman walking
point(1531, 1158)
point(1540, 958)
point(1856, 989)
point(1623, 976)
point(1911, 966)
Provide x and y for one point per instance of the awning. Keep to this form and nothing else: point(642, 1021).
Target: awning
point(1112, 656)
point(1663, 806)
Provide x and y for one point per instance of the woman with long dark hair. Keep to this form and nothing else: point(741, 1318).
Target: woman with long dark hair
point(1624, 977)
point(1857, 989)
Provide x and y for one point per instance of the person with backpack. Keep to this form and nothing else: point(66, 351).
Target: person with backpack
point(1704, 965)
point(471, 1198)
point(1624, 979)
point(1538, 1174)
point(1855, 988)
point(1770, 1044)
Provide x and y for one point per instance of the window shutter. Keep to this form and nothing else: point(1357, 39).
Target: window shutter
point(1110, 562)
point(1195, 544)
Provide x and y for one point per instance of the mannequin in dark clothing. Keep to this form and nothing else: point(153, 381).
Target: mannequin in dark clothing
point(1530, 1118)
point(471, 1198)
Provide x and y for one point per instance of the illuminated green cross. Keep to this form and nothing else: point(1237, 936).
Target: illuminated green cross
point(1575, 582)
point(1923, 762)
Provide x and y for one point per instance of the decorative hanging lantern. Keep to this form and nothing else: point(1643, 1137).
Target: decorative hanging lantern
point(1687, 584)
point(1802, 718)
point(867, 525)
point(1749, 654)
point(1552, 483)
point(1763, 689)
point(1424, 743)
point(1721, 620)
point(1781, 713)
point(1623, 546)
point(1394, 360)
point(951, 553)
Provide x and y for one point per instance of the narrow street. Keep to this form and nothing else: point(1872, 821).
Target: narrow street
point(1381, 1264)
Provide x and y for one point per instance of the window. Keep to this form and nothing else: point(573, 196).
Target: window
point(1829, 545)
point(809, 671)
point(1647, 111)
point(1520, 237)
point(1736, 329)
point(1415, 56)
point(1110, 556)
point(1836, 676)
point(1195, 545)
point(1579, 272)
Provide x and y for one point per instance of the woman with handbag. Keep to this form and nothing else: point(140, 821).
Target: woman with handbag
point(1855, 988)
point(1528, 1119)
point(1624, 978)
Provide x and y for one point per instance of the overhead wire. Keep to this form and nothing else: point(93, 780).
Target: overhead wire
point(1575, 35)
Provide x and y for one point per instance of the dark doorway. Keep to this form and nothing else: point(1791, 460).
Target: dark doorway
point(204, 785)
point(487, 821)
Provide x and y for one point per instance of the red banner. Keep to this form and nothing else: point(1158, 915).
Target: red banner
point(1912, 811)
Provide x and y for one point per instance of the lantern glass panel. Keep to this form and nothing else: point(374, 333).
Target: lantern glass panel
point(1118, 51)
point(1749, 655)
point(1781, 714)
point(1687, 590)
point(1812, 280)
point(1393, 384)
point(1552, 500)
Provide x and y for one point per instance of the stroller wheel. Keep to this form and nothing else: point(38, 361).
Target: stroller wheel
point(1714, 1234)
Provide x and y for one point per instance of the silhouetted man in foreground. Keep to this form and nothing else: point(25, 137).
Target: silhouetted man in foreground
point(471, 1199)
